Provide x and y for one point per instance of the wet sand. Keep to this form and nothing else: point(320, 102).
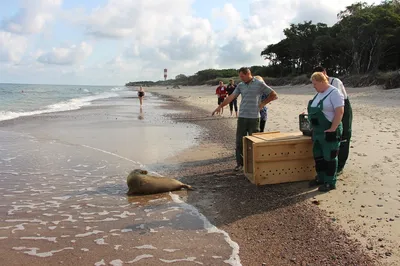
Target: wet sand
point(280, 224)
point(63, 185)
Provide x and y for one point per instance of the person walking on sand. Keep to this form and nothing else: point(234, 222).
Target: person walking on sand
point(233, 104)
point(347, 120)
point(141, 95)
point(248, 122)
point(264, 110)
point(221, 94)
point(325, 112)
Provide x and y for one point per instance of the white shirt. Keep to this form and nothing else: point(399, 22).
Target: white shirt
point(334, 100)
point(337, 83)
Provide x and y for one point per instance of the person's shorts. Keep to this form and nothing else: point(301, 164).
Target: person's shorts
point(220, 100)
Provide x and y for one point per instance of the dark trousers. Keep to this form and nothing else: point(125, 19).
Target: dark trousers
point(233, 104)
point(262, 125)
point(244, 126)
point(347, 122)
point(343, 154)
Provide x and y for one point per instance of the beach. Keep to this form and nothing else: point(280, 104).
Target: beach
point(63, 177)
point(364, 208)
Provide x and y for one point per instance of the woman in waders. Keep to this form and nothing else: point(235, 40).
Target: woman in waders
point(325, 112)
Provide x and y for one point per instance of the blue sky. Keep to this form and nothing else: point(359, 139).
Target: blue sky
point(112, 42)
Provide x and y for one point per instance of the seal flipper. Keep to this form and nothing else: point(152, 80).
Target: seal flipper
point(188, 187)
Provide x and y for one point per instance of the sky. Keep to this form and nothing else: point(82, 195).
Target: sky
point(111, 42)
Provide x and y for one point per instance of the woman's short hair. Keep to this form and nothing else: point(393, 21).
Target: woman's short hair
point(259, 78)
point(319, 77)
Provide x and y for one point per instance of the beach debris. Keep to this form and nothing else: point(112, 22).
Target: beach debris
point(316, 202)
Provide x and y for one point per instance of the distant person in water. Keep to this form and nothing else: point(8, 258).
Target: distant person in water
point(221, 94)
point(233, 104)
point(141, 95)
point(264, 110)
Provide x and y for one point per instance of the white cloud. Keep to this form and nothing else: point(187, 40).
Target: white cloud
point(32, 16)
point(66, 55)
point(147, 36)
point(12, 47)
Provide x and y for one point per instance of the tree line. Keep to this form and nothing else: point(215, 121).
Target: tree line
point(363, 48)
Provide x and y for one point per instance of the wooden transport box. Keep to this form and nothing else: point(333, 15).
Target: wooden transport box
point(275, 157)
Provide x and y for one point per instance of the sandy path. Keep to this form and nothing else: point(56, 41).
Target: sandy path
point(366, 203)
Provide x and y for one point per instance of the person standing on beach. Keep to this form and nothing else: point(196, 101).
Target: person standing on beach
point(251, 90)
point(233, 104)
point(264, 110)
point(346, 121)
point(325, 112)
point(141, 95)
point(221, 94)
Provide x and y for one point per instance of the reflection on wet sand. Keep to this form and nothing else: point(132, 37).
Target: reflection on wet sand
point(141, 115)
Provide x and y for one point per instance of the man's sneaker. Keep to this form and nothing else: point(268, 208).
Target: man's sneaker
point(326, 187)
point(238, 168)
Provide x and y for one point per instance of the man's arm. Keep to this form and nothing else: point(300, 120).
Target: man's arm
point(337, 100)
point(336, 119)
point(227, 100)
point(272, 95)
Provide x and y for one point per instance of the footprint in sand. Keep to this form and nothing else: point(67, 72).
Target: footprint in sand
point(388, 159)
point(360, 154)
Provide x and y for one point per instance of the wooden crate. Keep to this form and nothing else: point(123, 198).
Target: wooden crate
point(275, 157)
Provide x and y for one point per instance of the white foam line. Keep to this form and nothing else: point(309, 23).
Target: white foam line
point(33, 251)
point(140, 257)
point(51, 239)
point(99, 221)
point(146, 247)
point(113, 154)
point(117, 262)
point(99, 263)
point(234, 259)
point(192, 259)
point(170, 250)
point(125, 214)
point(61, 198)
point(100, 241)
point(28, 221)
point(95, 232)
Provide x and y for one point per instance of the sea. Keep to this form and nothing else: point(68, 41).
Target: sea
point(65, 152)
point(18, 100)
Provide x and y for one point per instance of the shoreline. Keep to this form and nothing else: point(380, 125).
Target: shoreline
point(201, 167)
point(64, 193)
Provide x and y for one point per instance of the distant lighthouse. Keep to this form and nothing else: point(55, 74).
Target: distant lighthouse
point(165, 74)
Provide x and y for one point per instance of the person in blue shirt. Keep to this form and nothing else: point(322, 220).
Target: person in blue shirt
point(264, 110)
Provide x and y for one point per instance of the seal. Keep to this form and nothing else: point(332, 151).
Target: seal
point(141, 183)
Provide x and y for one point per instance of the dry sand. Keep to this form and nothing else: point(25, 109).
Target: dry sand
point(366, 202)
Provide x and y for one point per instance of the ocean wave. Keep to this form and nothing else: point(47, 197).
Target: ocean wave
point(117, 89)
point(73, 104)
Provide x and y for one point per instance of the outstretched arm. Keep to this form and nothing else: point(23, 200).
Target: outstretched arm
point(227, 100)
